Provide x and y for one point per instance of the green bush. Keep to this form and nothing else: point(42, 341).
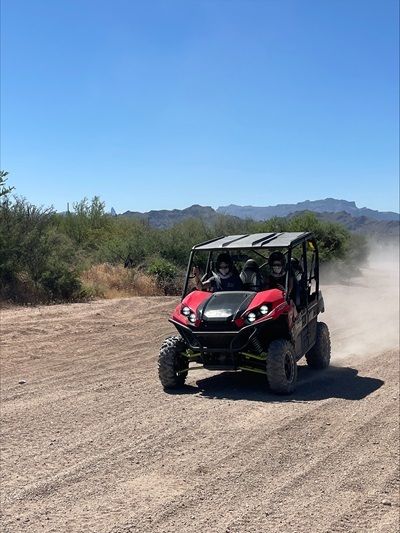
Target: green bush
point(34, 259)
point(333, 239)
point(61, 284)
point(165, 273)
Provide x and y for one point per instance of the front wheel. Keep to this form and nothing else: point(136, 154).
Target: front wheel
point(281, 367)
point(172, 365)
point(319, 356)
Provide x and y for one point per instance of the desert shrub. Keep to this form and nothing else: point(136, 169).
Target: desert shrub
point(61, 284)
point(105, 278)
point(22, 290)
point(111, 281)
point(31, 255)
point(176, 242)
point(127, 238)
point(4, 188)
point(333, 239)
point(165, 274)
point(86, 225)
point(23, 243)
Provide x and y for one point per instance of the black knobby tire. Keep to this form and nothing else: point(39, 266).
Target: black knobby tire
point(171, 363)
point(281, 367)
point(319, 356)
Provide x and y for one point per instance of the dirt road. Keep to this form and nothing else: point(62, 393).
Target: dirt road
point(91, 442)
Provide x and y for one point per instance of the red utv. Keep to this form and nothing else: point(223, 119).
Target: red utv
point(256, 329)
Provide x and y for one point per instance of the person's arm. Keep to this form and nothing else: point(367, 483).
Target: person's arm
point(200, 285)
point(267, 284)
point(274, 284)
point(290, 287)
point(281, 287)
point(239, 282)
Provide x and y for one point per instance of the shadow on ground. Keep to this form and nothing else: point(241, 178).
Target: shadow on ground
point(334, 382)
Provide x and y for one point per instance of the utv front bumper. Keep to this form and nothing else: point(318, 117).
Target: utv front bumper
point(210, 342)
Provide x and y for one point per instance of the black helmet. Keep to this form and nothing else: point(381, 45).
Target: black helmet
point(224, 258)
point(276, 257)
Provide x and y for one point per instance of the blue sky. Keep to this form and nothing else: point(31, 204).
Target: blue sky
point(163, 104)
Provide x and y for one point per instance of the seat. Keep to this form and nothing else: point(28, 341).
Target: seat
point(251, 276)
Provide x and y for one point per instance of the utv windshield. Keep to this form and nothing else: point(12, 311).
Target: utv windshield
point(243, 263)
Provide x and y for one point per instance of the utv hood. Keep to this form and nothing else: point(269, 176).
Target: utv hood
point(224, 307)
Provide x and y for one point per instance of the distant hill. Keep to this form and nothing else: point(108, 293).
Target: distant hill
point(167, 218)
point(362, 224)
point(329, 205)
point(382, 223)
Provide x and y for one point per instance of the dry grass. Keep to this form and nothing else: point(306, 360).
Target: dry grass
point(108, 281)
point(22, 292)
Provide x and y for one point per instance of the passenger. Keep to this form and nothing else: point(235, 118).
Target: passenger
point(224, 279)
point(299, 294)
point(251, 276)
point(277, 277)
point(297, 269)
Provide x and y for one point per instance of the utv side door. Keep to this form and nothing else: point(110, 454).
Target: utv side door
point(305, 324)
point(312, 268)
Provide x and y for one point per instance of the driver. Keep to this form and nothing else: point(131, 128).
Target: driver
point(224, 279)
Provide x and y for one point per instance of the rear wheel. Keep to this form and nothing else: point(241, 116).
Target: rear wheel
point(281, 367)
point(172, 365)
point(319, 356)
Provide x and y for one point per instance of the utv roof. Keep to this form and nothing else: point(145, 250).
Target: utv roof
point(254, 240)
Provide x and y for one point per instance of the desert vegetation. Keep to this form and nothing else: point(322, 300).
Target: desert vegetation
point(48, 257)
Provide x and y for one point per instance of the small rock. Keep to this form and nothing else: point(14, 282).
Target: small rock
point(328, 423)
point(22, 381)
point(386, 502)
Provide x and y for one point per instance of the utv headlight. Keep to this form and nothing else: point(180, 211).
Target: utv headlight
point(185, 311)
point(251, 317)
point(264, 309)
point(192, 318)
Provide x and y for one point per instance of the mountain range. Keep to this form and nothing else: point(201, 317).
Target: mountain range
point(328, 205)
point(359, 220)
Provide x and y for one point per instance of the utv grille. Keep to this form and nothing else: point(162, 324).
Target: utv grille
point(208, 341)
point(218, 326)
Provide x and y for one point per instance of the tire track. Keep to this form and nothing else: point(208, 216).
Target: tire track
point(92, 443)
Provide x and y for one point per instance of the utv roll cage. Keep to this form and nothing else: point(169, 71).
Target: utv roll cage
point(263, 241)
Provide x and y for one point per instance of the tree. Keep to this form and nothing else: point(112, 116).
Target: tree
point(4, 191)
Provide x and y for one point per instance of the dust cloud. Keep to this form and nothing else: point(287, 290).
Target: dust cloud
point(362, 312)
